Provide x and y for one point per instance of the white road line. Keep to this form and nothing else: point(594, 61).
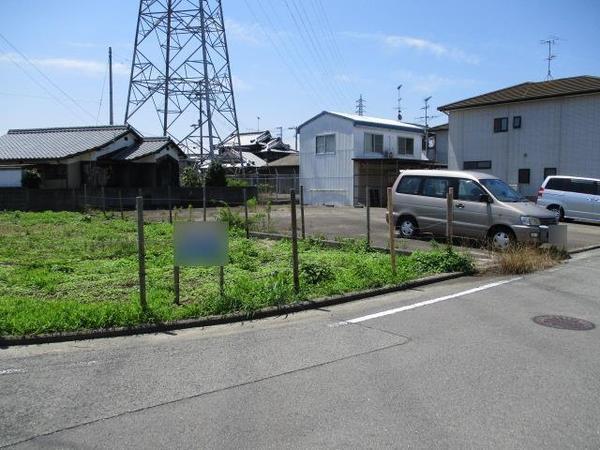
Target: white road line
point(427, 302)
point(9, 371)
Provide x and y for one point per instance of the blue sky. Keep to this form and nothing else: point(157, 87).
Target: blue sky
point(285, 69)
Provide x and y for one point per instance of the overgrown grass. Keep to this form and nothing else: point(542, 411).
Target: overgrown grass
point(523, 259)
point(67, 271)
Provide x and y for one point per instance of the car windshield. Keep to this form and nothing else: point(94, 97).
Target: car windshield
point(502, 191)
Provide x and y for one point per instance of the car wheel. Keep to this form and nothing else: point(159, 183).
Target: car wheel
point(407, 227)
point(502, 239)
point(558, 212)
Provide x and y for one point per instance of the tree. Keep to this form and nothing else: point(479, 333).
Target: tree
point(190, 177)
point(31, 178)
point(215, 176)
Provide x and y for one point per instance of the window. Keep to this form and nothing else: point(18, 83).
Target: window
point(409, 185)
point(524, 176)
point(469, 190)
point(406, 146)
point(549, 171)
point(477, 165)
point(516, 122)
point(326, 144)
point(559, 184)
point(501, 190)
point(500, 124)
point(587, 187)
point(435, 187)
point(373, 142)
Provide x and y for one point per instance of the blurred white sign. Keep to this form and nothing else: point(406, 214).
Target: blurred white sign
point(200, 244)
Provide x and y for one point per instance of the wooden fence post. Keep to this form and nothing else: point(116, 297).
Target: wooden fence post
point(204, 199)
point(246, 223)
point(449, 215)
point(391, 226)
point(294, 243)
point(170, 205)
point(176, 283)
point(368, 204)
point(222, 281)
point(84, 197)
point(121, 204)
point(139, 203)
point(103, 193)
point(302, 224)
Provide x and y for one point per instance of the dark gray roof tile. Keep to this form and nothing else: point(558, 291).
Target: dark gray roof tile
point(531, 91)
point(56, 143)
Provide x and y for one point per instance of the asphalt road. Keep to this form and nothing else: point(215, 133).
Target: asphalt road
point(467, 370)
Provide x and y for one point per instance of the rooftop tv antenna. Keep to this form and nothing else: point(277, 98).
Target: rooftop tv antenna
point(360, 106)
point(550, 42)
point(180, 70)
point(399, 107)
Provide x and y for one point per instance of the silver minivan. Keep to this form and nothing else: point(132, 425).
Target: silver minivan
point(485, 208)
point(571, 197)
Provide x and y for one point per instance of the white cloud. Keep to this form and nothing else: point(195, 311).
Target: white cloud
point(240, 85)
point(95, 45)
point(81, 66)
point(394, 41)
point(248, 33)
point(427, 84)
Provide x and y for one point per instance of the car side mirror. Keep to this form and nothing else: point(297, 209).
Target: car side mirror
point(485, 198)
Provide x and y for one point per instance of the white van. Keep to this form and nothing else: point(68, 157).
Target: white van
point(571, 197)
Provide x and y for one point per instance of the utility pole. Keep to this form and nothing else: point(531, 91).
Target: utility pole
point(426, 117)
point(111, 119)
point(257, 123)
point(399, 107)
point(550, 42)
point(279, 132)
point(360, 106)
point(295, 136)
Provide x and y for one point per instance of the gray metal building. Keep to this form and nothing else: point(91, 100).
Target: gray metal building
point(528, 131)
point(341, 155)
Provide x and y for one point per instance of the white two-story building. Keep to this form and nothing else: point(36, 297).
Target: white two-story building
point(526, 132)
point(341, 155)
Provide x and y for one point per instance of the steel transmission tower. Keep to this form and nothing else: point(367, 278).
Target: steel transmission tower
point(360, 106)
point(180, 70)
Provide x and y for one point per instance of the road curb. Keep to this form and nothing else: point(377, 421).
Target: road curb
point(271, 311)
point(584, 249)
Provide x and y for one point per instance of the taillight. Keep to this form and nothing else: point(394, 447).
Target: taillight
point(540, 192)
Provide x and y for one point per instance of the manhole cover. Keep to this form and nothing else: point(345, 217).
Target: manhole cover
point(564, 323)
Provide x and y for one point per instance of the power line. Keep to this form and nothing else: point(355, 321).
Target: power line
point(46, 77)
point(281, 54)
point(101, 96)
point(303, 29)
point(321, 14)
point(304, 65)
point(316, 40)
point(44, 88)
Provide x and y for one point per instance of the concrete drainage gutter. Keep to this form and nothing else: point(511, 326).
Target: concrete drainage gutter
point(270, 311)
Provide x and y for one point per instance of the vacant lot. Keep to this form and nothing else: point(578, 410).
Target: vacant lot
point(68, 271)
